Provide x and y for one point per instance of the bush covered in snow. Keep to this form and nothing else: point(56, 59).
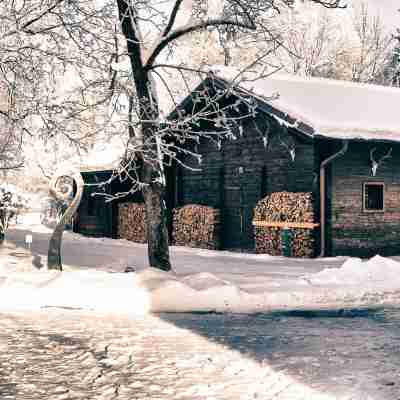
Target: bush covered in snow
point(52, 210)
point(11, 203)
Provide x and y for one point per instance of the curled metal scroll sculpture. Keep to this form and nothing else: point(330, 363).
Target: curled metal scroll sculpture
point(61, 189)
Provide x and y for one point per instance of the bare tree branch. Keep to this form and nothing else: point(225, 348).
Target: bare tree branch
point(190, 29)
point(172, 17)
point(40, 16)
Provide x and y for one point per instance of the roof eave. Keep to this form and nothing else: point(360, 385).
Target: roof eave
point(89, 169)
point(354, 139)
point(264, 106)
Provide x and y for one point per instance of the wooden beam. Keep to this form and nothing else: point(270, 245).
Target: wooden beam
point(279, 224)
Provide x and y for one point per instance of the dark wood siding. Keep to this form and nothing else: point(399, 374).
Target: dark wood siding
point(94, 216)
point(355, 231)
point(238, 175)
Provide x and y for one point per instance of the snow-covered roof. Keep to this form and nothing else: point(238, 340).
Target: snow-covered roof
point(104, 156)
point(333, 109)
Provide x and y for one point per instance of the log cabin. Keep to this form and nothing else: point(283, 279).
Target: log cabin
point(338, 140)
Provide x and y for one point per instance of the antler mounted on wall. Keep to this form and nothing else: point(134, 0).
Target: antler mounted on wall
point(264, 130)
point(375, 163)
point(289, 144)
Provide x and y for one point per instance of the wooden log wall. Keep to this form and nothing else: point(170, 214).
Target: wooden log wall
point(354, 231)
point(265, 170)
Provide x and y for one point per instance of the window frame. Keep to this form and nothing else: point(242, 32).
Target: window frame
point(364, 196)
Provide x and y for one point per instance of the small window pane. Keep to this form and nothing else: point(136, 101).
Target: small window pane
point(373, 197)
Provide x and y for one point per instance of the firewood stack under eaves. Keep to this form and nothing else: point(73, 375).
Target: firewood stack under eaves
point(196, 226)
point(280, 209)
point(132, 222)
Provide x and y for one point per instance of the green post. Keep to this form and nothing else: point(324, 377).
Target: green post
point(286, 241)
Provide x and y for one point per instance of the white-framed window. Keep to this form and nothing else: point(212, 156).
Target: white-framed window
point(373, 197)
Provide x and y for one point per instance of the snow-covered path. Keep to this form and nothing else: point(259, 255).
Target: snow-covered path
point(54, 348)
point(60, 355)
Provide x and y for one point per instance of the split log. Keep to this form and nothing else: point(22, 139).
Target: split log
point(196, 226)
point(132, 222)
point(285, 207)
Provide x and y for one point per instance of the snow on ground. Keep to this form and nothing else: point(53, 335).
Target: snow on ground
point(31, 219)
point(378, 271)
point(209, 281)
point(93, 290)
point(356, 284)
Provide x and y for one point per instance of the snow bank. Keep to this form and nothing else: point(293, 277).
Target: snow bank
point(204, 281)
point(90, 290)
point(337, 289)
point(378, 271)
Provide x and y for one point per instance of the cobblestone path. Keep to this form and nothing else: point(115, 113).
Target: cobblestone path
point(64, 354)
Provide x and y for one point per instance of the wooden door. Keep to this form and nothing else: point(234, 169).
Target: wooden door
point(232, 217)
point(237, 214)
point(94, 215)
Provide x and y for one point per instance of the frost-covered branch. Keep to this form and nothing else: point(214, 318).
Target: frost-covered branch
point(172, 17)
point(73, 80)
point(190, 29)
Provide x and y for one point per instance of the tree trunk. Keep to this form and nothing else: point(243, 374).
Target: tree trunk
point(54, 251)
point(153, 193)
point(157, 232)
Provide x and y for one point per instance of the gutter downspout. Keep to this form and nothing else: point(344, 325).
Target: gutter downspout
point(322, 191)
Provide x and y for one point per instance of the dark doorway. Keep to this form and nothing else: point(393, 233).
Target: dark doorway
point(237, 211)
point(94, 216)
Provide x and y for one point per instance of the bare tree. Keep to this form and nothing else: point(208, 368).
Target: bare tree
point(10, 136)
point(83, 67)
point(313, 41)
point(55, 61)
point(248, 17)
point(10, 150)
point(373, 48)
point(392, 68)
point(355, 46)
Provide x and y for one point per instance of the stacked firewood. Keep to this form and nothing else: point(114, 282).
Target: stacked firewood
point(303, 242)
point(132, 222)
point(285, 207)
point(196, 226)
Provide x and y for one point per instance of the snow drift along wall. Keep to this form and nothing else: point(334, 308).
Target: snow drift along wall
point(295, 210)
point(196, 226)
point(132, 222)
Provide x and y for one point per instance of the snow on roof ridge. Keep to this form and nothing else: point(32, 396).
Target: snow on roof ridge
point(333, 108)
point(283, 76)
point(335, 82)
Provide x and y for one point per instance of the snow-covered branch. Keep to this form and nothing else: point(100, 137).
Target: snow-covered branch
point(176, 34)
